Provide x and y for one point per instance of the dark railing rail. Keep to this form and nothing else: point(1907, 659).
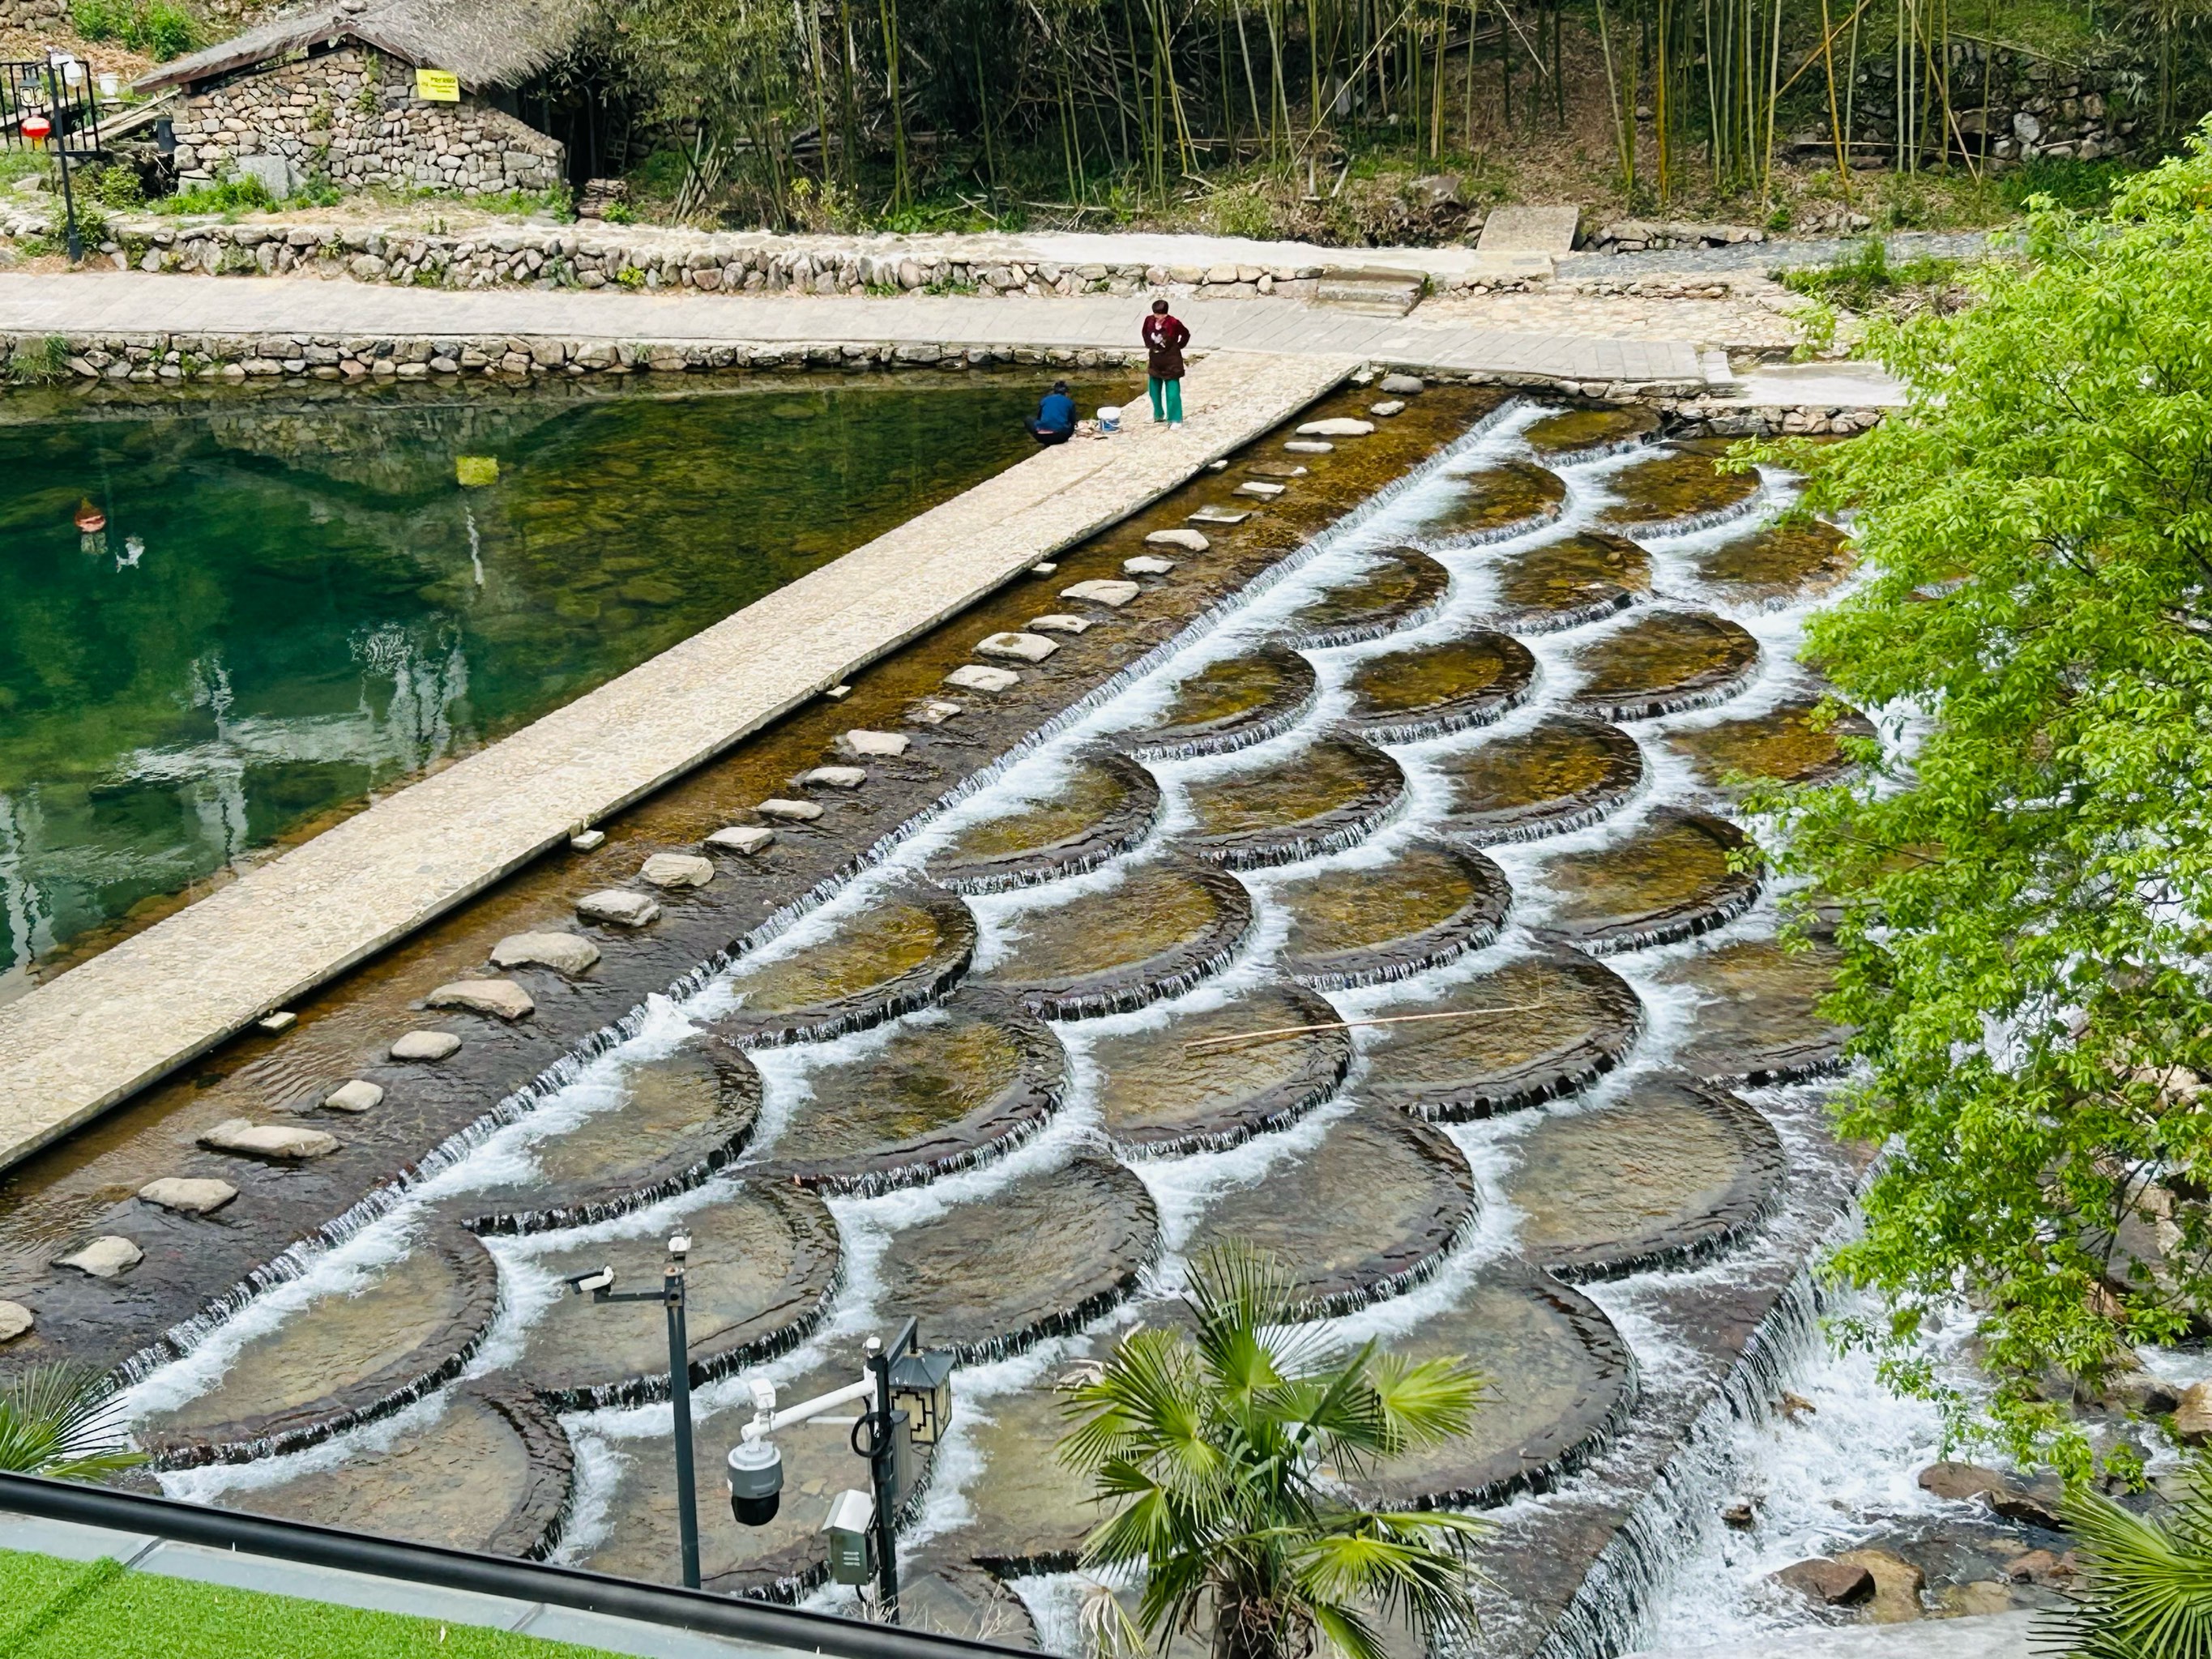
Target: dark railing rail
point(760, 1622)
point(34, 87)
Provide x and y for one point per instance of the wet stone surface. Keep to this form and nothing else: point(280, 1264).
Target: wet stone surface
point(1158, 1097)
point(1359, 925)
point(1365, 1215)
point(1507, 500)
point(1673, 1170)
point(1154, 933)
point(1679, 489)
point(1538, 1027)
point(1230, 704)
point(950, 1087)
point(1568, 582)
point(1449, 686)
point(1331, 794)
point(1670, 879)
point(1777, 564)
point(1560, 774)
point(1045, 1255)
point(1785, 744)
point(1582, 434)
point(1100, 807)
point(1662, 662)
point(1029, 1514)
point(897, 953)
point(1758, 1019)
point(1402, 587)
point(954, 1599)
point(764, 1259)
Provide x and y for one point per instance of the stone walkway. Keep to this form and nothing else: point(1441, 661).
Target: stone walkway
point(80, 1043)
point(1771, 256)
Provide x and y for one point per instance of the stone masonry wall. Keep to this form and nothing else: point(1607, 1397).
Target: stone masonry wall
point(352, 115)
point(34, 15)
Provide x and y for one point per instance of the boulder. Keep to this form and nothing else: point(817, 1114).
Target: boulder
point(187, 1194)
point(1827, 1582)
point(1017, 648)
point(746, 838)
point(280, 1143)
point(1189, 540)
point(1112, 594)
point(425, 1046)
point(1387, 407)
point(1965, 1483)
point(1144, 565)
point(833, 777)
point(565, 953)
point(677, 870)
point(935, 711)
point(1337, 426)
point(789, 811)
point(976, 677)
point(501, 998)
point(15, 1320)
point(1976, 1599)
point(619, 910)
point(105, 1258)
point(1060, 623)
point(1402, 386)
point(874, 745)
point(2192, 1415)
point(356, 1097)
point(1897, 1586)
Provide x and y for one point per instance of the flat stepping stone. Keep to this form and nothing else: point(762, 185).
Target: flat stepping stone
point(1679, 491)
point(744, 839)
point(1190, 541)
point(1099, 807)
point(1664, 662)
point(1146, 564)
point(1567, 583)
point(1671, 879)
point(979, 676)
point(1561, 1385)
point(1058, 623)
point(1574, 436)
point(1451, 685)
point(1275, 470)
point(681, 1117)
point(188, 1194)
point(1367, 923)
point(1258, 488)
point(790, 812)
point(273, 1143)
point(1402, 587)
point(901, 952)
point(1777, 565)
point(1337, 426)
point(1401, 386)
point(764, 1262)
point(16, 1321)
point(1509, 500)
point(1047, 1254)
point(1308, 445)
point(426, 1046)
point(1157, 932)
point(832, 777)
point(1387, 407)
point(110, 1256)
point(864, 744)
point(502, 999)
point(1111, 594)
point(1539, 1027)
point(1672, 1171)
point(616, 908)
point(1366, 1215)
point(1158, 1097)
point(359, 1350)
point(491, 1472)
point(950, 1087)
point(1230, 704)
point(1785, 744)
point(1564, 774)
point(356, 1097)
point(1335, 793)
point(1758, 1019)
point(677, 870)
point(1017, 647)
point(565, 953)
point(1220, 515)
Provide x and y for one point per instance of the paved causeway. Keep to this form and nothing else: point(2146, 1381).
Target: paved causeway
point(90, 1038)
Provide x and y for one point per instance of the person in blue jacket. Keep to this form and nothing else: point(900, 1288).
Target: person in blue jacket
point(1056, 416)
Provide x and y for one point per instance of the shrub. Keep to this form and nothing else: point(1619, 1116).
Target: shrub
point(2085, 186)
point(159, 28)
point(38, 363)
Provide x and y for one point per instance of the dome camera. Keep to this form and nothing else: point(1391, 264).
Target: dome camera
point(755, 1482)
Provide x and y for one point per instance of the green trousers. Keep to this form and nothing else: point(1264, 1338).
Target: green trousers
point(1171, 410)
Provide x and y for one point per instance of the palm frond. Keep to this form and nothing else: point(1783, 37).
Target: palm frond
point(2145, 1592)
point(1429, 1401)
point(63, 1421)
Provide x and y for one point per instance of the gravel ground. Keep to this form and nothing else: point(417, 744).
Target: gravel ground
point(1768, 256)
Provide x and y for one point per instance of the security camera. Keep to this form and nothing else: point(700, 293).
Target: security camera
point(600, 1279)
point(680, 1245)
point(755, 1480)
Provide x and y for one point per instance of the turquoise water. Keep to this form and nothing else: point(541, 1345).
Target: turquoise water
point(296, 601)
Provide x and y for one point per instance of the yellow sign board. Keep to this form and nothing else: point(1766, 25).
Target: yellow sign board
point(437, 85)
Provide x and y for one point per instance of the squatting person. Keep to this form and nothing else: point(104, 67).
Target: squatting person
point(1056, 416)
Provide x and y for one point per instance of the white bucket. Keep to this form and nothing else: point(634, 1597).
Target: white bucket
point(1109, 418)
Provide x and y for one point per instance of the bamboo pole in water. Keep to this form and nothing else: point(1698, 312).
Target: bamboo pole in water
point(1276, 1032)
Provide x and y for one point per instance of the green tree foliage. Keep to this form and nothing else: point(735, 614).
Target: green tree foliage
point(2145, 1591)
point(1210, 1450)
point(2023, 907)
point(60, 1421)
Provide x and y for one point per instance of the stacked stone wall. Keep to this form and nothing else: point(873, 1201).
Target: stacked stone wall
point(34, 15)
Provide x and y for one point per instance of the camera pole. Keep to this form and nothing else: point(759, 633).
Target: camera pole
point(671, 1297)
point(882, 1466)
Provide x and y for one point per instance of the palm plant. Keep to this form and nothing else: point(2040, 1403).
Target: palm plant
point(1214, 1452)
point(61, 1421)
point(2146, 1587)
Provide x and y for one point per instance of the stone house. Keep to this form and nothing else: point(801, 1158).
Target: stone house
point(332, 91)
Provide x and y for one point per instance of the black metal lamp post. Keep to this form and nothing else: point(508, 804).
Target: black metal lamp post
point(56, 91)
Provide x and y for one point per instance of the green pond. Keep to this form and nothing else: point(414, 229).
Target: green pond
point(296, 600)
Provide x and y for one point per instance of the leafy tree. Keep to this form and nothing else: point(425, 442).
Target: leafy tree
point(60, 1421)
point(2023, 905)
point(2146, 1588)
point(1210, 1450)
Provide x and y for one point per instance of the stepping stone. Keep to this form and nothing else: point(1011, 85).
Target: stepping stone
point(670, 870)
point(1401, 386)
point(1401, 588)
point(1758, 1019)
point(1144, 565)
point(107, 1257)
point(1664, 662)
point(902, 951)
point(1017, 648)
point(1539, 1027)
point(1365, 924)
point(282, 1020)
point(1535, 229)
point(1060, 624)
point(1275, 470)
point(1568, 582)
point(976, 677)
point(15, 1320)
point(278, 1143)
point(874, 745)
point(1116, 594)
point(1365, 1216)
point(501, 997)
point(1230, 704)
point(1220, 515)
point(745, 838)
point(1047, 1254)
point(1432, 689)
point(1576, 435)
point(1562, 775)
point(1337, 426)
point(617, 908)
point(1332, 794)
point(789, 811)
point(587, 840)
point(565, 953)
point(1189, 540)
point(425, 1046)
point(1777, 564)
point(935, 712)
point(1097, 808)
point(1386, 408)
point(1785, 744)
point(1674, 878)
point(1308, 447)
point(356, 1097)
point(832, 777)
point(1502, 501)
point(1679, 491)
point(1258, 488)
point(187, 1194)
point(1158, 1097)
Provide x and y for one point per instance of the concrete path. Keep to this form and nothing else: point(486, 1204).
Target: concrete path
point(135, 302)
point(83, 1042)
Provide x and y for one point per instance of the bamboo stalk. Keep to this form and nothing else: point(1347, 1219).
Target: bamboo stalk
point(1354, 1024)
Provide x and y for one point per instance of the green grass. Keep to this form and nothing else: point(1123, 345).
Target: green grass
point(159, 28)
point(51, 1609)
point(1856, 280)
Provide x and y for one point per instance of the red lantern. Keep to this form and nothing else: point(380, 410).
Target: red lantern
point(36, 128)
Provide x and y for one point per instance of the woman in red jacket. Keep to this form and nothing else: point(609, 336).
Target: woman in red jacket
point(1164, 340)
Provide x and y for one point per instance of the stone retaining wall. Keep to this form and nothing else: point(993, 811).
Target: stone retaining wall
point(32, 15)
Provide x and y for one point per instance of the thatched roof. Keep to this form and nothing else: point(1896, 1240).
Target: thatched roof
point(487, 42)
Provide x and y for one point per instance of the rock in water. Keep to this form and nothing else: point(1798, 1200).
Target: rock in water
point(677, 870)
point(1827, 1583)
point(791, 811)
point(1019, 647)
point(1059, 623)
point(1401, 386)
point(501, 997)
point(1144, 565)
point(188, 1196)
point(2192, 1418)
point(1113, 594)
point(833, 777)
point(1337, 426)
point(565, 953)
point(15, 1320)
point(356, 1097)
point(619, 910)
point(1386, 408)
point(105, 1258)
point(277, 1142)
point(977, 677)
point(1307, 446)
point(746, 838)
point(425, 1046)
point(1189, 540)
point(874, 745)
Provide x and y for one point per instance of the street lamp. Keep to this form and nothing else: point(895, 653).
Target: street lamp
point(58, 82)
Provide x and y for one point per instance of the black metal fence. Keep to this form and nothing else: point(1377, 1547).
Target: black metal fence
point(60, 97)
